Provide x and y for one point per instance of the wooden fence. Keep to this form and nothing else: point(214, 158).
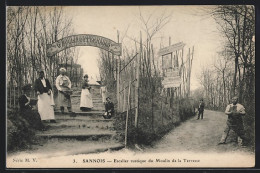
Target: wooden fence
point(13, 93)
point(129, 86)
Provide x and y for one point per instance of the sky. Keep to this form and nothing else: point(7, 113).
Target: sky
point(188, 24)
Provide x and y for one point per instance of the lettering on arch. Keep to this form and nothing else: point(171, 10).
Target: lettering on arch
point(84, 40)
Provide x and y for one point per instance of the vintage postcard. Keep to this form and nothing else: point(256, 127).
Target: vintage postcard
point(130, 86)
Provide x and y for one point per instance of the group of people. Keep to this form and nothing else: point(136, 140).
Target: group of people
point(45, 102)
point(235, 112)
point(45, 98)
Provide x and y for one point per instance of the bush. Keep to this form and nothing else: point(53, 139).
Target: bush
point(19, 132)
point(159, 112)
point(186, 109)
point(249, 123)
point(149, 130)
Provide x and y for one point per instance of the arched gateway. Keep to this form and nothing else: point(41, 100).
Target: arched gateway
point(113, 47)
point(87, 40)
point(84, 40)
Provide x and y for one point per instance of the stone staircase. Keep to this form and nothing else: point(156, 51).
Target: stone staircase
point(80, 132)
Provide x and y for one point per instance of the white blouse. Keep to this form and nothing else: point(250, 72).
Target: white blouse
point(43, 82)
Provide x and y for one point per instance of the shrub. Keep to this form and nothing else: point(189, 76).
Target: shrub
point(19, 131)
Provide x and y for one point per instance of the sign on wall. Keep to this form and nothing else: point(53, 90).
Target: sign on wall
point(170, 65)
point(171, 48)
point(170, 82)
point(167, 61)
point(84, 40)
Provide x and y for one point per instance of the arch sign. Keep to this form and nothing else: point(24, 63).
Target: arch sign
point(84, 40)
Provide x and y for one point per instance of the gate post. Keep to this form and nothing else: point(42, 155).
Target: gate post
point(117, 76)
point(138, 81)
point(137, 90)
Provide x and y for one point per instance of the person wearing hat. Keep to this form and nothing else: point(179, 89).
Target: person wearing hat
point(63, 84)
point(109, 108)
point(86, 102)
point(24, 99)
point(44, 91)
point(235, 111)
point(26, 111)
point(201, 109)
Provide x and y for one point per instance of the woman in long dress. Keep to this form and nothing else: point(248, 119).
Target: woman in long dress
point(45, 99)
point(86, 103)
point(103, 92)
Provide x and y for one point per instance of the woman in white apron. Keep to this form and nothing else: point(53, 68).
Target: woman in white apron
point(63, 84)
point(86, 102)
point(45, 98)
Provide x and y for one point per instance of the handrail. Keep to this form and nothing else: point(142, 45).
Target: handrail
point(128, 63)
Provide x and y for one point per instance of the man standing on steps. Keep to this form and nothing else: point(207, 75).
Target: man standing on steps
point(201, 109)
point(235, 111)
point(63, 84)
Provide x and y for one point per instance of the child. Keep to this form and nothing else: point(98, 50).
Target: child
point(109, 109)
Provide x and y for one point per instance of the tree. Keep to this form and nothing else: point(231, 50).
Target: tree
point(237, 25)
point(29, 30)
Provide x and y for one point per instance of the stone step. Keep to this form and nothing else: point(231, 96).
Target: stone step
point(97, 107)
point(55, 147)
point(78, 135)
point(93, 98)
point(91, 91)
point(81, 117)
point(115, 147)
point(81, 124)
point(77, 97)
point(98, 102)
point(90, 113)
point(77, 109)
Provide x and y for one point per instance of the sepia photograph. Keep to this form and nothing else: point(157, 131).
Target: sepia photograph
point(167, 86)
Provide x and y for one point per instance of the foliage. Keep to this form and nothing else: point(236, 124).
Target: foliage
point(159, 108)
point(234, 70)
point(29, 30)
point(20, 133)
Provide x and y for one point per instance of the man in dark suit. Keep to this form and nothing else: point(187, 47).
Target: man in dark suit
point(45, 98)
point(109, 109)
point(201, 109)
point(40, 88)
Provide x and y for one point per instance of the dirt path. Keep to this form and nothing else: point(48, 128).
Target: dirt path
point(198, 136)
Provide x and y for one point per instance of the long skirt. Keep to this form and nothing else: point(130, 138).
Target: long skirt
point(63, 100)
point(86, 99)
point(45, 107)
point(104, 96)
point(52, 99)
